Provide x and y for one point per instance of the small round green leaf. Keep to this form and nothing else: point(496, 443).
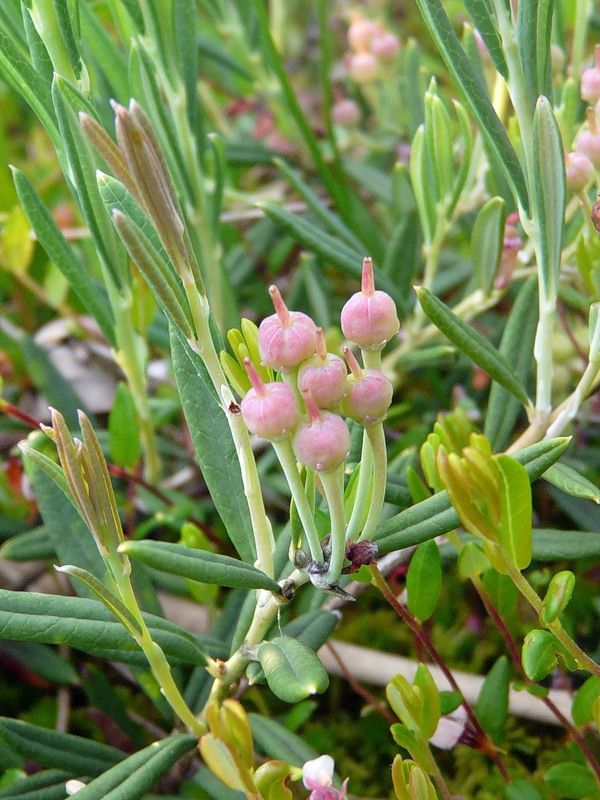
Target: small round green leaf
point(582, 710)
point(424, 580)
point(292, 670)
point(571, 780)
point(558, 595)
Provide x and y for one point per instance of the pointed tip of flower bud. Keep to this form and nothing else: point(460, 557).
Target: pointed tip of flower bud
point(368, 278)
point(311, 407)
point(321, 347)
point(355, 368)
point(279, 305)
point(257, 383)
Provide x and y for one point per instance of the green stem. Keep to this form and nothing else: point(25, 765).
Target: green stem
point(362, 490)
point(130, 361)
point(333, 484)
point(555, 627)
point(371, 359)
point(376, 436)
point(583, 10)
point(286, 457)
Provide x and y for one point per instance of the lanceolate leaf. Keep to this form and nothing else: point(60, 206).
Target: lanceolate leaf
point(435, 516)
point(534, 29)
point(487, 241)
point(424, 580)
point(58, 750)
point(134, 776)
point(515, 495)
point(214, 445)
point(87, 625)
point(483, 17)
point(46, 785)
point(471, 343)
point(293, 671)
point(570, 481)
point(492, 703)
point(199, 565)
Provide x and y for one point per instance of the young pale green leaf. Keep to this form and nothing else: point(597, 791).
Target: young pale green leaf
point(49, 784)
point(217, 755)
point(568, 480)
point(492, 703)
point(487, 241)
point(123, 429)
point(329, 248)
point(502, 592)
point(430, 699)
point(435, 516)
point(67, 19)
point(583, 702)
point(87, 625)
point(438, 139)
point(540, 653)
point(424, 580)
point(199, 565)
point(472, 343)
point(422, 184)
point(475, 94)
point(293, 670)
point(515, 495)
point(517, 346)
point(572, 781)
point(558, 594)
point(64, 751)
point(92, 295)
point(213, 444)
point(484, 20)
point(534, 31)
point(407, 739)
point(136, 775)
point(472, 560)
point(550, 194)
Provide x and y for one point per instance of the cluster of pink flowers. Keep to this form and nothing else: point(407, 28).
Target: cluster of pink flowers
point(580, 163)
point(372, 45)
point(290, 343)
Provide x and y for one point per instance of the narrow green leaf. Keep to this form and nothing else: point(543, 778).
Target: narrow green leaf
point(487, 241)
point(42, 660)
point(46, 785)
point(64, 751)
point(278, 742)
point(185, 28)
point(515, 495)
point(430, 700)
point(213, 444)
point(516, 345)
point(550, 194)
point(568, 480)
point(482, 14)
point(424, 580)
point(123, 429)
point(87, 625)
point(199, 565)
point(67, 17)
point(107, 56)
point(475, 94)
point(136, 775)
point(572, 781)
point(293, 671)
point(534, 31)
point(92, 295)
point(28, 546)
point(435, 516)
point(329, 248)
point(492, 702)
point(472, 343)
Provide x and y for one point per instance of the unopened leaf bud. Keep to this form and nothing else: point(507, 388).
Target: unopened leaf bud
point(323, 441)
point(368, 395)
point(324, 374)
point(269, 409)
point(286, 338)
point(369, 318)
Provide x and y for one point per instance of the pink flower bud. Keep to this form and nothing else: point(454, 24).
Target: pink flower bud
point(579, 170)
point(369, 318)
point(324, 375)
point(588, 142)
point(363, 67)
point(360, 32)
point(385, 46)
point(323, 442)
point(286, 338)
point(269, 410)
point(590, 81)
point(369, 393)
point(346, 112)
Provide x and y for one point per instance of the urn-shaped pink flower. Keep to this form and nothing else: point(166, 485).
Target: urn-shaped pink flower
point(369, 318)
point(590, 81)
point(269, 410)
point(324, 375)
point(588, 142)
point(579, 170)
point(323, 441)
point(286, 338)
point(369, 393)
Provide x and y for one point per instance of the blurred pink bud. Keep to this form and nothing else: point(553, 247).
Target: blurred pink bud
point(588, 142)
point(361, 32)
point(363, 67)
point(590, 81)
point(269, 409)
point(579, 170)
point(346, 112)
point(323, 442)
point(317, 775)
point(369, 393)
point(286, 338)
point(324, 375)
point(369, 318)
point(385, 46)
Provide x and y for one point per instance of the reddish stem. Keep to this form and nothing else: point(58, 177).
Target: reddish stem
point(280, 307)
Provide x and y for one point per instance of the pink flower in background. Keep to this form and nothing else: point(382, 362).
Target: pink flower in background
point(317, 775)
